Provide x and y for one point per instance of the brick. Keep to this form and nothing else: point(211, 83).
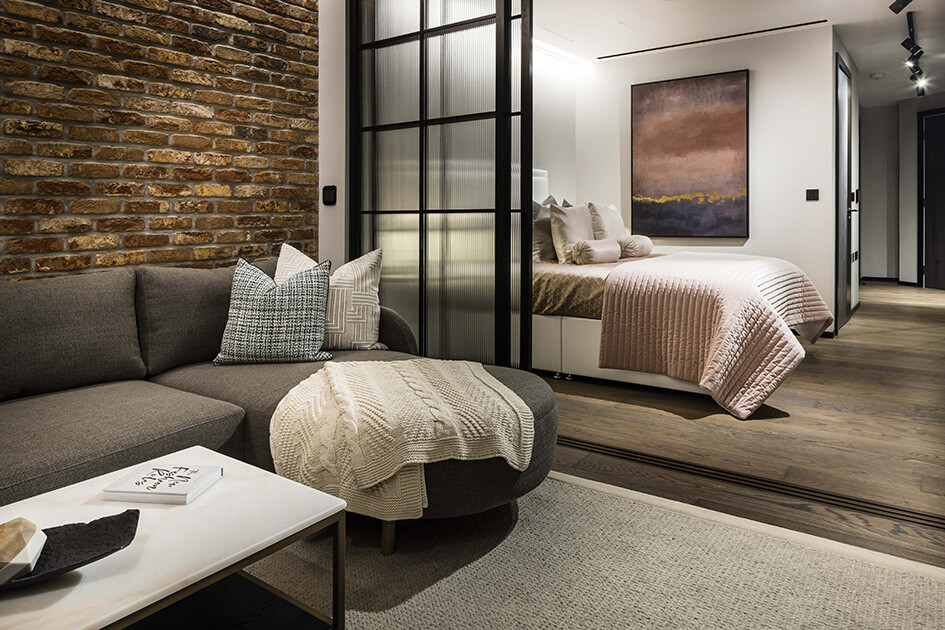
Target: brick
point(308, 98)
point(169, 156)
point(211, 96)
point(251, 191)
point(302, 179)
point(170, 190)
point(94, 170)
point(271, 148)
point(190, 45)
point(118, 47)
point(232, 54)
point(269, 91)
point(172, 91)
point(213, 128)
point(199, 174)
point(89, 23)
point(251, 251)
point(193, 110)
point(303, 41)
point(193, 238)
point(63, 36)
point(63, 263)
point(32, 167)
point(208, 34)
point(232, 22)
point(65, 225)
point(170, 123)
point(120, 224)
point(157, 5)
point(270, 177)
point(251, 161)
point(144, 34)
point(59, 74)
point(144, 69)
point(234, 115)
point(251, 133)
point(213, 190)
point(15, 146)
point(251, 73)
point(119, 12)
point(117, 259)
point(95, 206)
point(33, 11)
point(34, 245)
point(286, 135)
point(125, 154)
point(63, 188)
point(162, 55)
point(302, 234)
point(139, 136)
point(94, 97)
point(191, 76)
point(191, 142)
point(32, 128)
point(272, 206)
point(35, 89)
point(33, 206)
point(234, 236)
point(212, 253)
point(253, 102)
point(64, 150)
point(191, 13)
point(212, 159)
point(144, 171)
point(168, 255)
point(303, 68)
point(230, 144)
point(287, 53)
point(282, 220)
point(233, 85)
point(14, 265)
point(97, 134)
point(64, 112)
point(232, 175)
point(201, 223)
point(234, 206)
point(120, 189)
point(271, 63)
point(16, 226)
point(16, 27)
point(270, 120)
point(16, 186)
point(125, 84)
point(92, 60)
point(146, 240)
point(251, 13)
point(124, 118)
point(212, 65)
point(146, 104)
point(167, 23)
point(17, 68)
point(192, 206)
point(146, 207)
point(270, 235)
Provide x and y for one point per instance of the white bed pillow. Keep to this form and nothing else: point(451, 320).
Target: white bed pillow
point(598, 251)
point(353, 314)
point(635, 246)
point(568, 226)
point(607, 221)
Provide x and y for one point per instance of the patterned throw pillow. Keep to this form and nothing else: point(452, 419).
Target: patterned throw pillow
point(275, 324)
point(354, 312)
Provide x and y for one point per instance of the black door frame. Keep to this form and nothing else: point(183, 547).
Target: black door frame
point(920, 191)
point(841, 289)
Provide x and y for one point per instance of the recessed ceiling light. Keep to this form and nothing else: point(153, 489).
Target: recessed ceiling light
point(876, 76)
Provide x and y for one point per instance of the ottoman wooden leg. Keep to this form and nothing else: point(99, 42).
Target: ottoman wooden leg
point(388, 529)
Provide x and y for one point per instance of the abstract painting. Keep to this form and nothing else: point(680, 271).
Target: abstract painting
point(689, 145)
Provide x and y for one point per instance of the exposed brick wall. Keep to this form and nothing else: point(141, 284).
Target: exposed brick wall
point(153, 131)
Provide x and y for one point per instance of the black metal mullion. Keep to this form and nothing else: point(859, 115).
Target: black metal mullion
point(422, 216)
point(353, 89)
point(445, 29)
point(525, 181)
point(503, 186)
point(432, 122)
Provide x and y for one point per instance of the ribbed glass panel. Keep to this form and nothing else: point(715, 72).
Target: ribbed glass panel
point(381, 19)
point(515, 288)
point(367, 88)
point(398, 236)
point(515, 52)
point(461, 72)
point(397, 83)
point(391, 170)
point(461, 284)
point(516, 124)
point(441, 12)
point(461, 166)
point(516, 7)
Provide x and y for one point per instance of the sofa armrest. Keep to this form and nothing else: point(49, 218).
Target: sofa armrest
point(395, 332)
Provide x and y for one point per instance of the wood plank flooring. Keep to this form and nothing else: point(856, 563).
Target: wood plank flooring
point(862, 417)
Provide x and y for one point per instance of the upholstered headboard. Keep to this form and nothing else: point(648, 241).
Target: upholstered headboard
point(539, 184)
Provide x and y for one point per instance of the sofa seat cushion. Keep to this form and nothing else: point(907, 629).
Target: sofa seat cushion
point(257, 388)
point(57, 439)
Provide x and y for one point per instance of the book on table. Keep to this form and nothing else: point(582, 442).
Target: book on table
point(164, 484)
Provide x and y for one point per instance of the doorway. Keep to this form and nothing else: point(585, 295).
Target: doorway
point(845, 211)
point(931, 202)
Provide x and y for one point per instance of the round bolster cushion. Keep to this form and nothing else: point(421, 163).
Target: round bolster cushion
point(635, 246)
point(601, 251)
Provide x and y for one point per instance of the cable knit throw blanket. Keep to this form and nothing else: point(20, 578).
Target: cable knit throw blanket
point(720, 320)
point(362, 430)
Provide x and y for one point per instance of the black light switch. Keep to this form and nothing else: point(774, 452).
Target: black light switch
point(330, 195)
point(813, 194)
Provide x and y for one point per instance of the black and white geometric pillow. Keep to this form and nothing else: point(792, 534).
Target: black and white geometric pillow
point(275, 324)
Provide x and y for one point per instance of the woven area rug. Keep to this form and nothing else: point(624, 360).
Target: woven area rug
point(580, 554)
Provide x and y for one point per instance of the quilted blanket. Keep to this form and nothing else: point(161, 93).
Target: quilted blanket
point(362, 430)
point(723, 321)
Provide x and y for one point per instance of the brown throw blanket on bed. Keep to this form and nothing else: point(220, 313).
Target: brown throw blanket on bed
point(720, 320)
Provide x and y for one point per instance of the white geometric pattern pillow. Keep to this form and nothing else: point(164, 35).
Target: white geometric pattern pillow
point(353, 315)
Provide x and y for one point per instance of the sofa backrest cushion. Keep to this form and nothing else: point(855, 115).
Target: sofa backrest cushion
point(61, 333)
point(182, 313)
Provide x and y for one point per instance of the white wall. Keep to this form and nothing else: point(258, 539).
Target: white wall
point(908, 182)
point(332, 125)
point(879, 206)
point(791, 141)
point(554, 84)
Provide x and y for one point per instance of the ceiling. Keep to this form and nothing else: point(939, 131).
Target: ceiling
point(870, 31)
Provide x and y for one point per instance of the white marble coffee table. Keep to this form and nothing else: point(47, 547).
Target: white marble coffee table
point(178, 550)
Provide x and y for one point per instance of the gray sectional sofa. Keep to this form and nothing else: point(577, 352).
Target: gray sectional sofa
point(104, 370)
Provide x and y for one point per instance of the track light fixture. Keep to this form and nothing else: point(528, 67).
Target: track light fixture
point(897, 6)
point(910, 45)
point(915, 51)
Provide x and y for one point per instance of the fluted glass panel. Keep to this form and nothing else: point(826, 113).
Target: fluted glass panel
point(461, 166)
point(461, 285)
point(515, 52)
point(515, 288)
point(461, 72)
point(381, 19)
point(391, 170)
point(441, 12)
point(367, 88)
point(516, 125)
point(516, 7)
point(398, 236)
point(390, 84)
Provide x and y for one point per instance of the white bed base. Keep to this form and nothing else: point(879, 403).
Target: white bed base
point(571, 346)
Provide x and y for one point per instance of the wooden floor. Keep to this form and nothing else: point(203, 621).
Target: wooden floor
point(861, 424)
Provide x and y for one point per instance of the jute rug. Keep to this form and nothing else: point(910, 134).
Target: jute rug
point(579, 554)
